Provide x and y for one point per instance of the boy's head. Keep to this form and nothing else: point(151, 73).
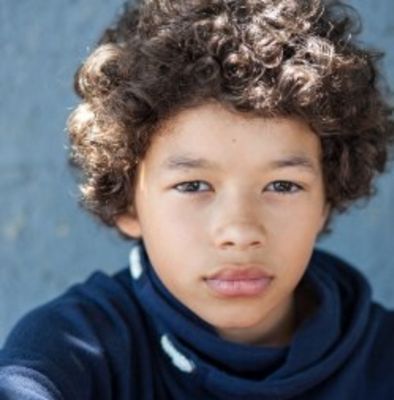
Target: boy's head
point(264, 58)
point(229, 131)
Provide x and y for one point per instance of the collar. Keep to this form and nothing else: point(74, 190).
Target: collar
point(320, 345)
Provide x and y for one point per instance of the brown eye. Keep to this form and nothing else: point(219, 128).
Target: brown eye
point(191, 187)
point(284, 187)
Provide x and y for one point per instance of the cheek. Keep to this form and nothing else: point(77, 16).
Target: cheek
point(171, 231)
point(296, 215)
point(185, 218)
point(293, 234)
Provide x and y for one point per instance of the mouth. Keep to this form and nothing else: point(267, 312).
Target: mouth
point(236, 281)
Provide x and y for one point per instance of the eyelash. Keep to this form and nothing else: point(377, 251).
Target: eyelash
point(293, 185)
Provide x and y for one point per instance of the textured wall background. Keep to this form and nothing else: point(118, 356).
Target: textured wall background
point(46, 242)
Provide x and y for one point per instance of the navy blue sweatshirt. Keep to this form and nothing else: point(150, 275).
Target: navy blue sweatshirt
point(125, 337)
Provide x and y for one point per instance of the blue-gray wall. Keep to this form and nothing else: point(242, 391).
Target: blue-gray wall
point(46, 242)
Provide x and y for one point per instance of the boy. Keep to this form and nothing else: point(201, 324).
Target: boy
point(222, 136)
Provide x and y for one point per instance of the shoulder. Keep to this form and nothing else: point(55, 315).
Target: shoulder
point(377, 351)
point(368, 325)
point(381, 328)
point(100, 300)
point(76, 338)
point(378, 338)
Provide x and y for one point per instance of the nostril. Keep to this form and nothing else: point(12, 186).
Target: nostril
point(240, 236)
point(241, 244)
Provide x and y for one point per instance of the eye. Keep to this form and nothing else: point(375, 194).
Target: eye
point(284, 187)
point(191, 186)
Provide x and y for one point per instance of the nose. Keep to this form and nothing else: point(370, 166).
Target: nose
point(240, 236)
point(238, 226)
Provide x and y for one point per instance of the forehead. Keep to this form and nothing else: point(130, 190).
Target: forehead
point(211, 135)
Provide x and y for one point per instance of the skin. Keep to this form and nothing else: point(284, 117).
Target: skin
point(235, 212)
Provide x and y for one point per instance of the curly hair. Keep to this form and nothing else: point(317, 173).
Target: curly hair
point(270, 58)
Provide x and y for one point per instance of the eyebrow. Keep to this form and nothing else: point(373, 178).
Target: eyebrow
point(185, 162)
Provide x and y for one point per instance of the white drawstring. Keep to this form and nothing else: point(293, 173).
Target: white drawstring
point(178, 359)
point(135, 262)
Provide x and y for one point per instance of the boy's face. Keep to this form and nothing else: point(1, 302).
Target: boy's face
point(221, 193)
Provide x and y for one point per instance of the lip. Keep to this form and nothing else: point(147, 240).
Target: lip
point(236, 273)
point(236, 281)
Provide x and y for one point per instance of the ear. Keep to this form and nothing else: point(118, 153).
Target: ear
point(129, 224)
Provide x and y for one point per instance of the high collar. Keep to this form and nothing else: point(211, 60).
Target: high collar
point(320, 345)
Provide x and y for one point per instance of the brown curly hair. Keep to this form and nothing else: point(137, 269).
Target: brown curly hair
point(271, 58)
